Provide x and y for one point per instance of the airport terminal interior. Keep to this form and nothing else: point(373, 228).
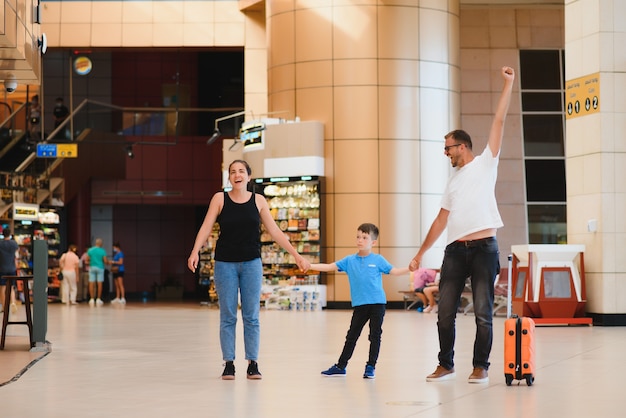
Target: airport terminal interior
point(340, 106)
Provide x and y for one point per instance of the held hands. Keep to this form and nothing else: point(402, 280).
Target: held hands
point(192, 263)
point(415, 263)
point(303, 263)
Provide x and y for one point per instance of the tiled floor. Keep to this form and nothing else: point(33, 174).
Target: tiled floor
point(149, 360)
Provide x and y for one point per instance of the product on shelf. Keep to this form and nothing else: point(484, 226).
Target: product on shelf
point(206, 264)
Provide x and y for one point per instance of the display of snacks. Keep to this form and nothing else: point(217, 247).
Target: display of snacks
point(295, 206)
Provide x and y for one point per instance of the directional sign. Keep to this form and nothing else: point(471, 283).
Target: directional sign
point(57, 150)
point(47, 150)
point(582, 96)
point(67, 150)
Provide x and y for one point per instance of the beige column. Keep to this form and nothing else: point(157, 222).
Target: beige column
point(595, 34)
point(384, 79)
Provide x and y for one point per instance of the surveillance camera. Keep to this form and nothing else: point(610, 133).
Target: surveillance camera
point(10, 84)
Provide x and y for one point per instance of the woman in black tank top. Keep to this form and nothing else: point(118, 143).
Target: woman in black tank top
point(238, 269)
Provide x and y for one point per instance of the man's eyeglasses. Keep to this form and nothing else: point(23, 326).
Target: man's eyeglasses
point(446, 149)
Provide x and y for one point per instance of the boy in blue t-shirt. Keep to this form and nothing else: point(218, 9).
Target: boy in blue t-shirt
point(364, 271)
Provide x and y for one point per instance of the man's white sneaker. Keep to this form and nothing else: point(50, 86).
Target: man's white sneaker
point(92, 302)
point(116, 300)
point(123, 301)
point(99, 302)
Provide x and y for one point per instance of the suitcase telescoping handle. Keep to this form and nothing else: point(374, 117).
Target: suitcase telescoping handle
point(509, 290)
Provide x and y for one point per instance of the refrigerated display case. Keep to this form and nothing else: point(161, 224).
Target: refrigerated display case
point(295, 206)
point(31, 222)
point(206, 265)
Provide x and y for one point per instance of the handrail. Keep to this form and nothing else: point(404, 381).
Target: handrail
point(12, 115)
point(16, 139)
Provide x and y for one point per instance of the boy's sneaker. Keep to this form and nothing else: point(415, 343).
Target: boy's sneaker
point(91, 302)
point(253, 371)
point(440, 374)
point(116, 300)
point(369, 372)
point(229, 371)
point(334, 371)
point(99, 302)
point(123, 301)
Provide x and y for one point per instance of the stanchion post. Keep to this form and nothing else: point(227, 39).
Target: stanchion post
point(40, 293)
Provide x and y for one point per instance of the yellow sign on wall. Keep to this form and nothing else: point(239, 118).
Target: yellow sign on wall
point(582, 96)
point(67, 150)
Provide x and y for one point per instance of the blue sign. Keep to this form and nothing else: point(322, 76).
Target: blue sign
point(47, 150)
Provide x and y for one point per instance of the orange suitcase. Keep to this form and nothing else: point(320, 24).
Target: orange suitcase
point(519, 350)
point(519, 343)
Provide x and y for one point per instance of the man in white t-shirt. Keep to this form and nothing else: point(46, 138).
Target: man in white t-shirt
point(470, 212)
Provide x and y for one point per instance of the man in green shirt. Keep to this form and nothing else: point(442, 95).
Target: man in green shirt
point(97, 261)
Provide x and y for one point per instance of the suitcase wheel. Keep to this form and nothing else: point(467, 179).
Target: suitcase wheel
point(530, 380)
point(509, 379)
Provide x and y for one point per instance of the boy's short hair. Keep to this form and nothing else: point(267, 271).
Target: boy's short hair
point(370, 229)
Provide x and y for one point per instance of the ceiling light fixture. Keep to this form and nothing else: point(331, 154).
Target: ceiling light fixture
point(216, 130)
point(236, 145)
point(214, 137)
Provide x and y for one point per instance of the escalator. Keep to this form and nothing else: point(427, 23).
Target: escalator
point(102, 133)
point(16, 152)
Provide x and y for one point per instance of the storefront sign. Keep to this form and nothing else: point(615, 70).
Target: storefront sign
point(82, 65)
point(25, 212)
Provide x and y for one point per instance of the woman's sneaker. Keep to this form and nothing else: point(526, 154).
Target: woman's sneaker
point(253, 371)
point(229, 371)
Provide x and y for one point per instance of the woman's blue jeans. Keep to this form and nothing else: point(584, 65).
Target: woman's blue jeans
point(231, 280)
point(480, 261)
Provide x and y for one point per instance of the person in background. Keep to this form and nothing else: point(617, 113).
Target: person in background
point(365, 270)
point(60, 112)
point(34, 119)
point(8, 267)
point(238, 267)
point(430, 291)
point(469, 211)
point(97, 260)
point(84, 274)
point(117, 270)
point(422, 277)
point(68, 263)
